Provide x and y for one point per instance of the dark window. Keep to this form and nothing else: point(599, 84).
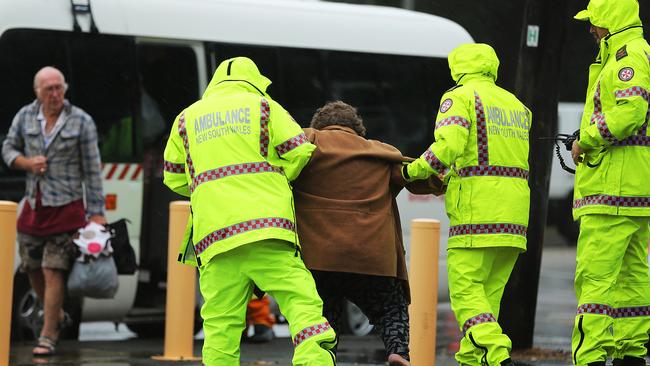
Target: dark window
point(304, 86)
point(397, 96)
point(100, 73)
point(22, 54)
point(101, 79)
point(103, 82)
point(168, 83)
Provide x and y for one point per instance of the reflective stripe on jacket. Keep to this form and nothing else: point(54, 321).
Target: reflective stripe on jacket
point(481, 145)
point(233, 153)
point(614, 130)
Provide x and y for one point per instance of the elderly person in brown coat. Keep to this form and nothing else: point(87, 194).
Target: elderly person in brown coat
point(349, 227)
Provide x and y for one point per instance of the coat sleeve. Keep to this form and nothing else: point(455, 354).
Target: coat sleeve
point(91, 164)
point(630, 85)
point(451, 135)
point(175, 174)
point(289, 141)
point(13, 145)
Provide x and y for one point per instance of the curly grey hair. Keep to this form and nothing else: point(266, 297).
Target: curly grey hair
point(338, 113)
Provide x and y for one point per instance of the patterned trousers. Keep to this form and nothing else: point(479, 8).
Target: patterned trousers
point(382, 300)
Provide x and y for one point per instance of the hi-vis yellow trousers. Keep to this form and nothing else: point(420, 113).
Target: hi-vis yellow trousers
point(227, 284)
point(613, 289)
point(477, 278)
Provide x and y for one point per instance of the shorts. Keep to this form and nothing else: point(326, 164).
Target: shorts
point(53, 251)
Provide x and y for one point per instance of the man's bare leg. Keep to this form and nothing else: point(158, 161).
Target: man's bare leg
point(52, 305)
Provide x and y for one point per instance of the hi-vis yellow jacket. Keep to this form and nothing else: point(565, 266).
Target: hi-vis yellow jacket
point(481, 147)
point(234, 153)
point(615, 176)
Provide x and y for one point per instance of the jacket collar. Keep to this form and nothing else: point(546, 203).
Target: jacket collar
point(615, 41)
point(339, 128)
point(475, 77)
point(36, 105)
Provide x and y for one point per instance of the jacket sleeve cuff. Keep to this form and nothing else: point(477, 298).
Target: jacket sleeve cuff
point(95, 209)
point(10, 157)
point(405, 173)
point(590, 138)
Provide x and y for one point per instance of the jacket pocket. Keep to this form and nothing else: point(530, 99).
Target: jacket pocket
point(67, 142)
point(33, 141)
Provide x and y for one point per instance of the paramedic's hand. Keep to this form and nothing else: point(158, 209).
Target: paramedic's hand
point(99, 219)
point(576, 152)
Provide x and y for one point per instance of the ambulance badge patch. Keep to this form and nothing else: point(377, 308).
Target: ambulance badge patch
point(626, 74)
point(444, 107)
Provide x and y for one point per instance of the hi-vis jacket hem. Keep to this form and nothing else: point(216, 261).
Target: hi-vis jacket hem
point(485, 235)
point(623, 312)
point(612, 205)
point(232, 242)
point(242, 227)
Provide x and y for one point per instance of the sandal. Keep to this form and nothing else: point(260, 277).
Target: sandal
point(45, 343)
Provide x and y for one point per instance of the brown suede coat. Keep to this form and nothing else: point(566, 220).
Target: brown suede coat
point(346, 212)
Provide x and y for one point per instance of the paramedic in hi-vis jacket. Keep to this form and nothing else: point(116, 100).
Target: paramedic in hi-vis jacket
point(234, 153)
point(481, 150)
point(612, 192)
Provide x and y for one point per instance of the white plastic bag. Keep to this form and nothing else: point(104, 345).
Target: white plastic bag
point(93, 239)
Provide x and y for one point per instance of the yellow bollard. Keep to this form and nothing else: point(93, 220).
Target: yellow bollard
point(423, 280)
point(181, 292)
point(7, 252)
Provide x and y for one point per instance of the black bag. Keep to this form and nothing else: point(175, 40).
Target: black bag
point(123, 252)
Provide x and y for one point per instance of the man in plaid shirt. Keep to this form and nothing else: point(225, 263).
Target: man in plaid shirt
point(56, 144)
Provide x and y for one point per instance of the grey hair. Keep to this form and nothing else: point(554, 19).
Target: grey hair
point(338, 113)
point(40, 72)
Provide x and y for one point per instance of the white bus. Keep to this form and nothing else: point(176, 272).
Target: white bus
point(133, 65)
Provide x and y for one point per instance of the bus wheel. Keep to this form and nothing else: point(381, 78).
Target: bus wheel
point(24, 311)
point(27, 312)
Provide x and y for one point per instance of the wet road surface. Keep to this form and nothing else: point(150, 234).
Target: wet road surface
point(554, 319)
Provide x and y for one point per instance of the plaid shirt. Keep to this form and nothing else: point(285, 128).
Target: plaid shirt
point(72, 158)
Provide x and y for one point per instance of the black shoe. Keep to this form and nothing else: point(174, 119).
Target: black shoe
point(262, 334)
point(507, 362)
point(599, 363)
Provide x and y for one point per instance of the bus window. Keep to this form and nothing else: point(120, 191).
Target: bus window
point(304, 88)
point(168, 83)
point(97, 69)
point(397, 96)
point(22, 54)
point(102, 82)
